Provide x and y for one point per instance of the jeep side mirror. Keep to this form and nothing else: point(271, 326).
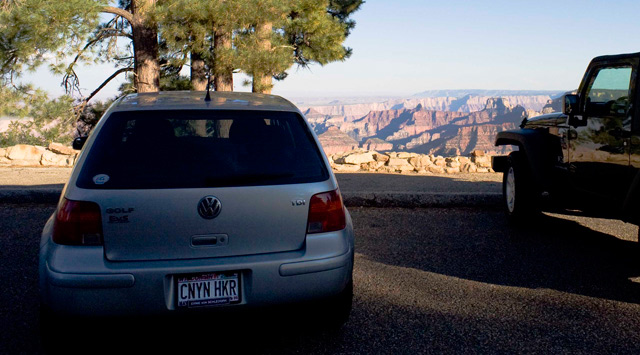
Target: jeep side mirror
point(78, 143)
point(570, 104)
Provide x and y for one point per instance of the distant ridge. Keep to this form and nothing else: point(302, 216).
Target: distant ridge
point(459, 93)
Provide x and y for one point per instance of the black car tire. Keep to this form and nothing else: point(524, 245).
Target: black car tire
point(334, 313)
point(518, 190)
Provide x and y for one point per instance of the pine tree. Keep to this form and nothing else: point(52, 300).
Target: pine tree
point(33, 31)
point(294, 32)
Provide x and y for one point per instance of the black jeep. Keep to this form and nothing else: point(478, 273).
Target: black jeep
point(587, 157)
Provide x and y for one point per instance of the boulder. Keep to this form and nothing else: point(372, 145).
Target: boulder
point(405, 168)
point(61, 149)
point(482, 161)
point(397, 162)
point(26, 152)
point(356, 158)
point(346, 168)
point(406, 155)
point(380, 157)
point(450, 170)
point(420, 161)
point(477, 153)
point(3, 152)
point(435, 169)
point(468, 167)
point(4, 161)
point(453, 164)
point(440, 161)
point(386, 169)
point(53, 159)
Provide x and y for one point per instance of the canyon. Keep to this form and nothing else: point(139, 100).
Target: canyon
point(447, 126)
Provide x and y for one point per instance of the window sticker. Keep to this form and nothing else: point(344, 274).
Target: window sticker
point(100, 179)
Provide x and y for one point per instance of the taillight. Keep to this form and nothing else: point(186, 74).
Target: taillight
point(326, 212)
point(77, 223)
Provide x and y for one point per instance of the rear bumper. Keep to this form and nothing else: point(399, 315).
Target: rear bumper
point(79, 281)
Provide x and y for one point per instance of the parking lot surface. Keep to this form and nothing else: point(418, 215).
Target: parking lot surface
point(438, 280)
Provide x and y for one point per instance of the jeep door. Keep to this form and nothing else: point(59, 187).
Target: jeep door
point(599, 142)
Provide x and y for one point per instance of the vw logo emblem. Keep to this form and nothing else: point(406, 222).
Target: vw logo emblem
point(209, 207)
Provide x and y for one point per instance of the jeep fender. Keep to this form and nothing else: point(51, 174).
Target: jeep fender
point(631, 206)
point(536, 146)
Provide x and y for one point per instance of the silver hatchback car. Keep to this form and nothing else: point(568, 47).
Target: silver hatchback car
point(181, 205)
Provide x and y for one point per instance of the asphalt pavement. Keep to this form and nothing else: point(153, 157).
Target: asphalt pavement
point(427, 281)
point(43, 185)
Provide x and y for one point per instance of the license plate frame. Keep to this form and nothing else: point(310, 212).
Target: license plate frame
point(208, 289)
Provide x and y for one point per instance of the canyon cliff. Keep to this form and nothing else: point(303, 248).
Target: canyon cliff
point(421, 128)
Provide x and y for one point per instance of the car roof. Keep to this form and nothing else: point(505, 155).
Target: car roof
point(195, 100)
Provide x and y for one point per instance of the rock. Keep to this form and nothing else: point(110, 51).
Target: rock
point(4, 161)
point(26, 152)
point(468, 167)
point(371, 166)
point(334, 141)
point(380, 157)
point(453, 164)
point(406, 155)
point(347, 168)
point(477, 153)
point(482, 161)
point(3, 152)
point(440, 161)
point(464, 160)
point(420, 161)
point(405, 168)
point(377, 144)
point(450, 170)
point(396, 162)
point(61, 149)
point(435, 169)
point(483, 170)
point(386, 169)
point(53, 159)
point(356, 158)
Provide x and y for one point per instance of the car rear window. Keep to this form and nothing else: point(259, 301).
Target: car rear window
point(201, 148)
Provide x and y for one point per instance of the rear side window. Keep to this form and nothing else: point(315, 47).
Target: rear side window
point(198, 148)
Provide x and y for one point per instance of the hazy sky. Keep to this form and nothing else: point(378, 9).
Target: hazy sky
point(403, 47)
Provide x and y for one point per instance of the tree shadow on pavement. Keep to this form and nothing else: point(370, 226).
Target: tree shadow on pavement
point(550, 252)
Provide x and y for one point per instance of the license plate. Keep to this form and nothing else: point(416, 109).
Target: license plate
point(211, 289)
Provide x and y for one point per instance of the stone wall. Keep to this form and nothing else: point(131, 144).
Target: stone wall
point(410, 163)
point(55, 154)
point(360, 160)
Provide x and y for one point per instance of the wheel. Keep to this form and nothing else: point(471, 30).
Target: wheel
point(518, 190)
point(334, 313)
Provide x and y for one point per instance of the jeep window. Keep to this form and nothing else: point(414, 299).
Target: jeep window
point(202, 148)
point(608, 92)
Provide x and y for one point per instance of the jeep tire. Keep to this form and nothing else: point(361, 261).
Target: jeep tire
point(518, 190)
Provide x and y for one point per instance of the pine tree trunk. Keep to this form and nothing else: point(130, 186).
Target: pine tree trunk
point(262, 81)
point(223, 81)
point(198, 83)
point(198, 74)
point(145, 39)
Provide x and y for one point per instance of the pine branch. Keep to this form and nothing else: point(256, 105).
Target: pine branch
point(84, 102)
point(120, 12)
point(70, 80)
